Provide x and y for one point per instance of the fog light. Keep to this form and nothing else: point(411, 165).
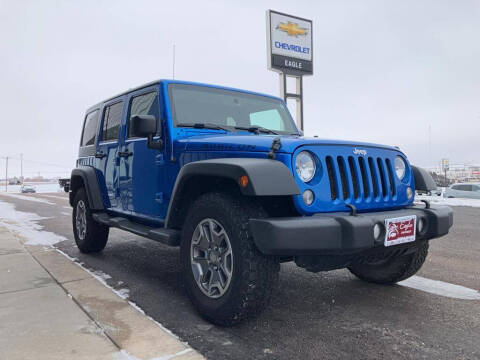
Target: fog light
point(308, 197)
point(409, 192)
point(421, 225)
point(377, 231)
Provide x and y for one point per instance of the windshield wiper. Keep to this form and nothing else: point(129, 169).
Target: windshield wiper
point(205, 126)
point(257, 129)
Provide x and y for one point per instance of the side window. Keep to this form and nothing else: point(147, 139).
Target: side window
point(475, 188)
point(145, 104)
point(112, 117)
point(269, 119)
point(90, 129)
point(456, 187)
point(464, 187)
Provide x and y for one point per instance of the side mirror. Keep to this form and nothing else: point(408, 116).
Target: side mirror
point(145, 126)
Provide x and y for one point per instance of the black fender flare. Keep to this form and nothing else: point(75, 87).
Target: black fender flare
point(90, 181)
point(423, 180)
point(266, 177)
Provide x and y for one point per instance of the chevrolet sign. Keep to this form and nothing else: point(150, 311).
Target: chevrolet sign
point(289, 44)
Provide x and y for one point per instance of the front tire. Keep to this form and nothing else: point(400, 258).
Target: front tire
point(394, 269)
point(226, 277)
point(90, 236)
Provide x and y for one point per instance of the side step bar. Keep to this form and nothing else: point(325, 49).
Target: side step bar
point(165, 236)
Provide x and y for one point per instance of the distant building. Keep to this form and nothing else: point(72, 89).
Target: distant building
point(458, 173)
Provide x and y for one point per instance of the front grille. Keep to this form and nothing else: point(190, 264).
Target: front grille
point(353, 178)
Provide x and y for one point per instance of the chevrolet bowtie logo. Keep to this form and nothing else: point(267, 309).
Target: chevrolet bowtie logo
point(292, 29)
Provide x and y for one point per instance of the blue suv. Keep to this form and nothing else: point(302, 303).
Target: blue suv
point(226, 175)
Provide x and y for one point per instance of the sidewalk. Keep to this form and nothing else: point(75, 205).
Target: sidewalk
point(50, 308)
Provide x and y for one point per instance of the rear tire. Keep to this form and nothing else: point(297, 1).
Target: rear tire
point(90, 236)
point(245, 289)
point(393, 270)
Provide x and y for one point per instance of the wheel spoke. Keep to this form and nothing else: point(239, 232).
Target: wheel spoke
point(207, 230)
point(201, 268)
point(202, 242)
point(219, 236)
point(222, 278)
point(212, 284)
point(81, 219)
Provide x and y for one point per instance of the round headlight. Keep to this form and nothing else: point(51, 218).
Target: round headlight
point(305, 166)
point(400, 167)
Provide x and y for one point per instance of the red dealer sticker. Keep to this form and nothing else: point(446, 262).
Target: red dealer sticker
point(400, 230)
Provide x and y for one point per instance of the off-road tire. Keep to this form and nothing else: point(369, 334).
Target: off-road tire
point(394, 269)
point(254, 275)
point(96, 234)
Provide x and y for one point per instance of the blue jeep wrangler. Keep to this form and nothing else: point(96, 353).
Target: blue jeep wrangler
point(226, 175)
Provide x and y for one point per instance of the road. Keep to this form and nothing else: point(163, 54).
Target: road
point(329, 315)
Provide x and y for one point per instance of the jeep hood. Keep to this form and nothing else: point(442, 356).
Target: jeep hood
point(262, 143)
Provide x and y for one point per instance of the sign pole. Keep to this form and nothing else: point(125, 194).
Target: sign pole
point(299, 89)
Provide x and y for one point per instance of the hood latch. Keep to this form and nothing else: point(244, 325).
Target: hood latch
point(276, 145)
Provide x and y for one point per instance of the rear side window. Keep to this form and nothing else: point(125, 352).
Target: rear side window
point(146, 104)
point(463, 187)
point(112, 118)
point(90, 129)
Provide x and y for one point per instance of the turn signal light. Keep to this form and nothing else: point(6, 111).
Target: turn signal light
point(243, 181)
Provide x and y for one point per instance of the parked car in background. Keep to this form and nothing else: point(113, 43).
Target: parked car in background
point(65, 184)
point(465, 190)
point(28, 189)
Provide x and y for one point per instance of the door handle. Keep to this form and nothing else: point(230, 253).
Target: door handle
point(124, 153)
point(100, 155)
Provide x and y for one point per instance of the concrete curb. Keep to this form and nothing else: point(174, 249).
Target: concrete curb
point(136, 335)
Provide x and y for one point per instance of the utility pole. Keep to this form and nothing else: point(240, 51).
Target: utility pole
point(429, 143)
point(21, 167)
point(6, 174)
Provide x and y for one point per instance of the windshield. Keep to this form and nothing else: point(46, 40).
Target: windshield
point(192, 104)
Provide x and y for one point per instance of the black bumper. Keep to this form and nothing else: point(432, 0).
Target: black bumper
point(340, 233)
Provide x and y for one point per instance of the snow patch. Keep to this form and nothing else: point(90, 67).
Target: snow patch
point(437, 287)
point(124, 355)
point(123, 293)
point(26, 225)
point(136, 307)
point(437, 200)
point(28, 198)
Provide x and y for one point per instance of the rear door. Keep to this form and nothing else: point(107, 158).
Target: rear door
point(476, 191)
point(107, 152)
point(142, 169)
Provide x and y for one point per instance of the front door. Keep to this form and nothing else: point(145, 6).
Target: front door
point(107, 153)
point(141, 168)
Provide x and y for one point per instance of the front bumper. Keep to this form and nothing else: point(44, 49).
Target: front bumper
point(340, 233)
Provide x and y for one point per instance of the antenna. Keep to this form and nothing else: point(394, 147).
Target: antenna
point(173, 65)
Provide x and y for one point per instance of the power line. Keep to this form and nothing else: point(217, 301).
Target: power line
point(21, 159)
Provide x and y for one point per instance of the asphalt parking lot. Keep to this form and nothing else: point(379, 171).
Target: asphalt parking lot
point(312, 316)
